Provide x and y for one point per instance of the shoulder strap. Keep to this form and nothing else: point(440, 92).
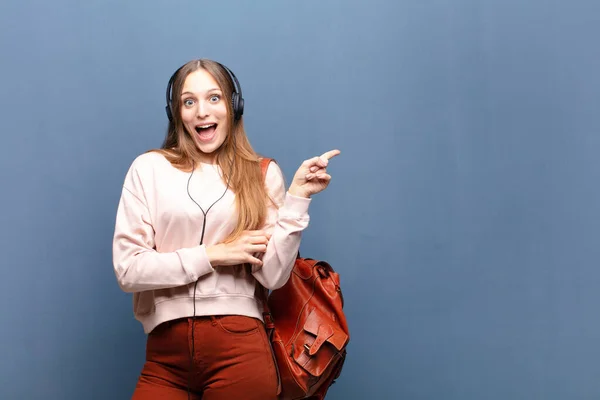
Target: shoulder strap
point(264, 292)
point(264, 164)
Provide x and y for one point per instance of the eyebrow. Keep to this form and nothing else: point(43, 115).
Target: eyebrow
point(208, 91)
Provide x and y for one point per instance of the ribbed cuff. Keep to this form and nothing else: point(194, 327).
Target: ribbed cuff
point(195, 262)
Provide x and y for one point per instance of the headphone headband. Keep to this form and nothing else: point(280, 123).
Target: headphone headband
point(237, 101)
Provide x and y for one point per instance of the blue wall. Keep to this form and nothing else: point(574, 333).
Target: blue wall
point(464, 215)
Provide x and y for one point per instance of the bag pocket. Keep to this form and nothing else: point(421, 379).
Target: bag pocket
point(320, 343)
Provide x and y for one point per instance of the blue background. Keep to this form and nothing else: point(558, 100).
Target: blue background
point(463, 216)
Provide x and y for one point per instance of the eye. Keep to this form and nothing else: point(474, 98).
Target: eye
point(214, 98)
point(188, 102)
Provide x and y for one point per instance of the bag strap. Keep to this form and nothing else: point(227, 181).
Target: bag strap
point(263, 291)
point(264, 164)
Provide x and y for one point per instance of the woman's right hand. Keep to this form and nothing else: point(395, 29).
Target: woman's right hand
point(240, 251)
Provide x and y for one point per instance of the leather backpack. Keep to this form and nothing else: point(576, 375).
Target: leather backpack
point(307, 328)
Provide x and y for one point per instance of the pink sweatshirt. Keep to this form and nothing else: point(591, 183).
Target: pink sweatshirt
point(156, 251)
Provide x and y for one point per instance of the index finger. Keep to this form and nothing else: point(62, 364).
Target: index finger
point(330, 154)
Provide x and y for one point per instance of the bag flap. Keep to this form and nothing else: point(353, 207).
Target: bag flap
point(325, 329)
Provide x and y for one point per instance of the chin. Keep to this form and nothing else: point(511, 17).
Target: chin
point(208, 150)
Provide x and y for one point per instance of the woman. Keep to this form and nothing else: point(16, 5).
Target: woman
point(198, 230)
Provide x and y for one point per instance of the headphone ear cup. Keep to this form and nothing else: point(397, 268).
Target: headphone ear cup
point(169, 115)
point(240, 107)
point(237, 104)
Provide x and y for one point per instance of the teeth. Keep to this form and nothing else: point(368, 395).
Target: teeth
point(205, 126)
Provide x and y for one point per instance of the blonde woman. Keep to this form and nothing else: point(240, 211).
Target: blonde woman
point(198, 227)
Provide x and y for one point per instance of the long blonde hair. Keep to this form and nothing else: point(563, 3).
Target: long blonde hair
point(237, 159)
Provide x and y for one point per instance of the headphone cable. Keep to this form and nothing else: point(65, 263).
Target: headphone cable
point(204, 213)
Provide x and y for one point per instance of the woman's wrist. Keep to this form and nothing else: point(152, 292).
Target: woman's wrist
point(214, 254)
point(296, 191)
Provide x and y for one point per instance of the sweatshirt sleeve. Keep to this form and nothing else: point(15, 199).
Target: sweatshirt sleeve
point(287, 217)
point(137, 264)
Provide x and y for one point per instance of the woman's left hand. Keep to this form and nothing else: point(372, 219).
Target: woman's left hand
point(312, 177)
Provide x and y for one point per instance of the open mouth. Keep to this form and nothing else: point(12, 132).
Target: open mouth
point(206, 132)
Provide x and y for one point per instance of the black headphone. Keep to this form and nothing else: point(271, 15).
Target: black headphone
point(237, 101)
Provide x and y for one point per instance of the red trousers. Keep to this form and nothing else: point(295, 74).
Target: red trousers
point(232, 360)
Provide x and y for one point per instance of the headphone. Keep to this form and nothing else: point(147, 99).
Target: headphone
point(237, 101)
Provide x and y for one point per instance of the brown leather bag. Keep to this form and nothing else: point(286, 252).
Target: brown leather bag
point(307, 328)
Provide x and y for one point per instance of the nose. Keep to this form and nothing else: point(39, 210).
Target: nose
point(202, 110)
